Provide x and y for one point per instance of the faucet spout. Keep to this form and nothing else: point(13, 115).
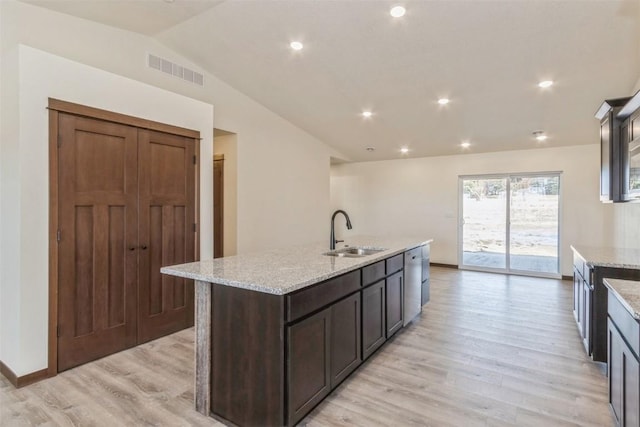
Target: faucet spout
point(333, 241)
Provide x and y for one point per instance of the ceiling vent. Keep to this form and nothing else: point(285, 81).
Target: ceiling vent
point(175, 70)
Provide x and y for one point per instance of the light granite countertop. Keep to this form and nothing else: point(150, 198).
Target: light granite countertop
point(281, 271)
point(609, 257)
point(628, 292)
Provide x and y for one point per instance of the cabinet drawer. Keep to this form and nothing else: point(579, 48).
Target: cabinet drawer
point(624, 321)
point(308, 300)
point(395, 263)
point(372, 273)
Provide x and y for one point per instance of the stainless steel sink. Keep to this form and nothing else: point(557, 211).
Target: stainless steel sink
point(354, 252)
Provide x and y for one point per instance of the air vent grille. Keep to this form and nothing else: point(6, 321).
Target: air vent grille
point(175, 70)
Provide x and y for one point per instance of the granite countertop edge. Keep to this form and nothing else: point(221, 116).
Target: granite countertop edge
point(628, 293)
point(324, 264)
point(609, 257)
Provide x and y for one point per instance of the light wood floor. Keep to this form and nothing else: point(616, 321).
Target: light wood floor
point(488, 350)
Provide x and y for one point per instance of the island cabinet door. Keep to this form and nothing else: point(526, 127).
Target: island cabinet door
point(624, 380)
point(346, 347)
point(395, 300)
point(308, 370)
point(373, 318)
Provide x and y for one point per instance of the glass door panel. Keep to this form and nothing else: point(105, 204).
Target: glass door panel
point(533, 236)
point(484, 224)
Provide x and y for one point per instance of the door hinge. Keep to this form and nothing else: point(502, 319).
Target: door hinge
point(58, 331)
point(195, 159)
point(58, 235)
point(195, 227)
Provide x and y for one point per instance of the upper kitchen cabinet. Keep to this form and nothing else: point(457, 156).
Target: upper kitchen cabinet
point(610, 150)
point(629, 117)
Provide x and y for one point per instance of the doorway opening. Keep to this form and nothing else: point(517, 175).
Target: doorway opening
point(510, 223)
point(225, 192)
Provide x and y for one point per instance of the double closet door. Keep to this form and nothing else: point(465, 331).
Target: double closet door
point(126, 207)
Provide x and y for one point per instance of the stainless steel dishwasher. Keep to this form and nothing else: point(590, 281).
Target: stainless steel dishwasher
point(412, 284)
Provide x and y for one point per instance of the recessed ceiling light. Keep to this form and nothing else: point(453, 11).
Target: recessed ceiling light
point(443, 101)
point(397, 11)
point(545, 83)
point(404, 150)
point(168, 1)
point(465, 144)
point(540, 136)
point(296, 45)
point(367, 114)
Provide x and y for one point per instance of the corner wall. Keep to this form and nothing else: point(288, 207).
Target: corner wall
point(283, 190)
point(419, 197)
point(25, 170)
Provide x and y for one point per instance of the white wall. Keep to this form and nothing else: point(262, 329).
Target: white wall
point(26, 195)
point(274, 155)
point(227, 145)
point(283, 190)
point(419, 197)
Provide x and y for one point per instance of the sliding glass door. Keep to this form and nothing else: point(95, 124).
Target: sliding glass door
point(510, 223)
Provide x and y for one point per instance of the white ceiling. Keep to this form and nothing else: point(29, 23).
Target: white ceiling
point(486, 56)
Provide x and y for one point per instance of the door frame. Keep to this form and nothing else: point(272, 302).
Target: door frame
point(507, 269)
point(56, 106)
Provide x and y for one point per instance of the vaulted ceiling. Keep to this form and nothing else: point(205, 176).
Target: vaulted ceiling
point(487, 57)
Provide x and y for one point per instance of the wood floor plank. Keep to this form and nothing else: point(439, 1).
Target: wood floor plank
point(488, 350)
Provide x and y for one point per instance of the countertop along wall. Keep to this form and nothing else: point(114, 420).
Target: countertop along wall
point(416, 197)
point(277, 206)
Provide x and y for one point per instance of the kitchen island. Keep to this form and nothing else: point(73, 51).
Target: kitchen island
point(276, 331)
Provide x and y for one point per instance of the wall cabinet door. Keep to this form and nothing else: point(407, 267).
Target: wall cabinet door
point(346, 346)
point(624, 380)
point(373, 318)
point(395, 299)
point(308, 366)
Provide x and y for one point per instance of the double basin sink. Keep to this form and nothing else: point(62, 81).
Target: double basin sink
point(353, 252)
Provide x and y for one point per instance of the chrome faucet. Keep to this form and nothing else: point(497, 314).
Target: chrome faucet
point(332, 244)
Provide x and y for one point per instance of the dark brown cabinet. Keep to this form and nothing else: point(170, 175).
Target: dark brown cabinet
point(394, 306)
point(273, 357)
point(309, 353)
point(624, 366)
point(373, 318)
point(582, 308)
point(610, 150)
point(590, 302)
point(346, 346)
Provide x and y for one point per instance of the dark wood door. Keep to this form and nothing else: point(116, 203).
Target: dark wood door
point(218, 208)
point(346, 347)
point(98, 192)
point(395, 299)
point(373, 318)
point(167, 232)
point(308, 372)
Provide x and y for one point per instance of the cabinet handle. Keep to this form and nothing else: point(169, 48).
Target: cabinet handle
point(132, 248)
point(143, 247)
